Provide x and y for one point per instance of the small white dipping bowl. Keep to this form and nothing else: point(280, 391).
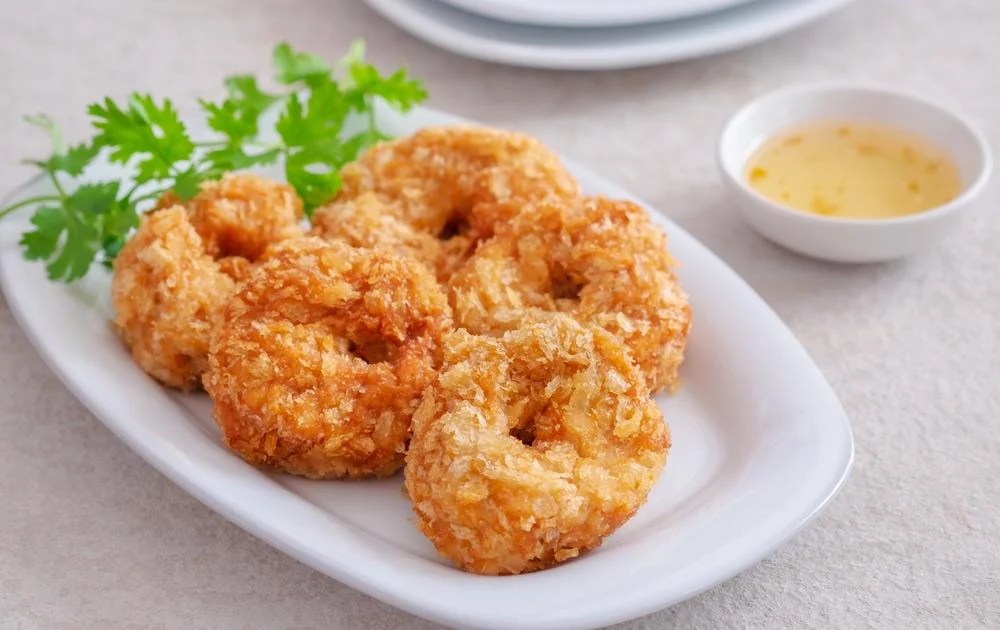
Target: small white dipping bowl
point(842, 239)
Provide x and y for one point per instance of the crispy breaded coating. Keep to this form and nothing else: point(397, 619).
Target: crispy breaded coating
point(600, 260)
point(241, 214)
point(532, 447)
point(371, 222)
point(167, 299)
point(322, 356)
point(168, 295)
point(455, 184)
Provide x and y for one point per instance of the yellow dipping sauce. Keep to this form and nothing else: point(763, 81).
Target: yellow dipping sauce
point(853, 170)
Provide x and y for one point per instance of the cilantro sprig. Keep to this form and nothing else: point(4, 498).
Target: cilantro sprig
point(79, 225)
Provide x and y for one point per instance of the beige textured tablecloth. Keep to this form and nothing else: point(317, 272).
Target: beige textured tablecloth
point(93, 537)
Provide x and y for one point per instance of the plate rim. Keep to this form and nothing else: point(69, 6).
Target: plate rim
point(542, 13)
point(408, 16)
point(251, 522)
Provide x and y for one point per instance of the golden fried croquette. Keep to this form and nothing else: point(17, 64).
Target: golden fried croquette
point(322, 356)
point(367, 221)
point(168, 298)
point(168, 295)
point(600, 260)
point(241, 214)
point(454, 183)
point(532, 447)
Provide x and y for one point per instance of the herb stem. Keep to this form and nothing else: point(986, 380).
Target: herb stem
point(27, 202)
point(59, 189)
point(131, 191)
point(243, 143)
point(370, 113)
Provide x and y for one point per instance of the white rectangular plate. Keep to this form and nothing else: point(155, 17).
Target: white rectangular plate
point(760, 445)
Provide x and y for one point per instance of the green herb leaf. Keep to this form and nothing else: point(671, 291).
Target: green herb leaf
point(311, 130)
point(152, 132)
point(75, 159)
point(73, 262)
point(310, 172)
point(237, 117)
point(69, 237)
point(117, 218)
point(119, 221)
point(94, 199)
point(294, 67)
point(355, 54)
point(398, 90)
point(71, 161)
point(243, 89)
point(318, 120)
point(41, 243)
point(186, 184)
point(236, 158)
point(230, 119)
point(110, 249)
point(68, 257)
point(353, 146)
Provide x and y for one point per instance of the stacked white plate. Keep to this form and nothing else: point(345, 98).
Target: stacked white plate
point(597, 34)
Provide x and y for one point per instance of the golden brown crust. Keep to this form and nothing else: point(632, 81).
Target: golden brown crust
point(168, 295)
point(602, 261)
point(322, 356)
point(369, 221)
point(530, 448)
point(455, 184)
point(168, 298)
point(241, 214)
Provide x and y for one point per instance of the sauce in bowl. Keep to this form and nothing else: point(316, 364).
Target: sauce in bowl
point(853, 170)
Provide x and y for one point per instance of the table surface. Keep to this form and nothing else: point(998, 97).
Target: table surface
point(93, 537)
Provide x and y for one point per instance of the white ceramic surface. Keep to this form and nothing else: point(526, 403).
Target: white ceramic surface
point(583, 13)
point(851, 240)
point(760, 445)
point(600, 48)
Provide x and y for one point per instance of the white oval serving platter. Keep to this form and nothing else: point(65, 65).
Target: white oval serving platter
point(760, 446)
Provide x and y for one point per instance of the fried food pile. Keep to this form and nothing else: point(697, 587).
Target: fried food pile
point(459, 310)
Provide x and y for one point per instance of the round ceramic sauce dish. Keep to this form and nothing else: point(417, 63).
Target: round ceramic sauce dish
point(852, 174)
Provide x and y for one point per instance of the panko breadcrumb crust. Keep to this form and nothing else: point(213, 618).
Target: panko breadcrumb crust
point(530, 448)
point(454, 184)
point(528, 432)
point(321, 359)
point(370, 221)
point(242, 214)
point(600, 260)
point(174, 275)
point(168, 295)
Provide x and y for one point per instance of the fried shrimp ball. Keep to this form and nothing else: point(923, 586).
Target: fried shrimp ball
point(168, 296)
point(322, 356)
point(241, 214)
point(368, 221)
point(532, 447)
point(173, 276)
point(455, 184)
point(600, 260)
